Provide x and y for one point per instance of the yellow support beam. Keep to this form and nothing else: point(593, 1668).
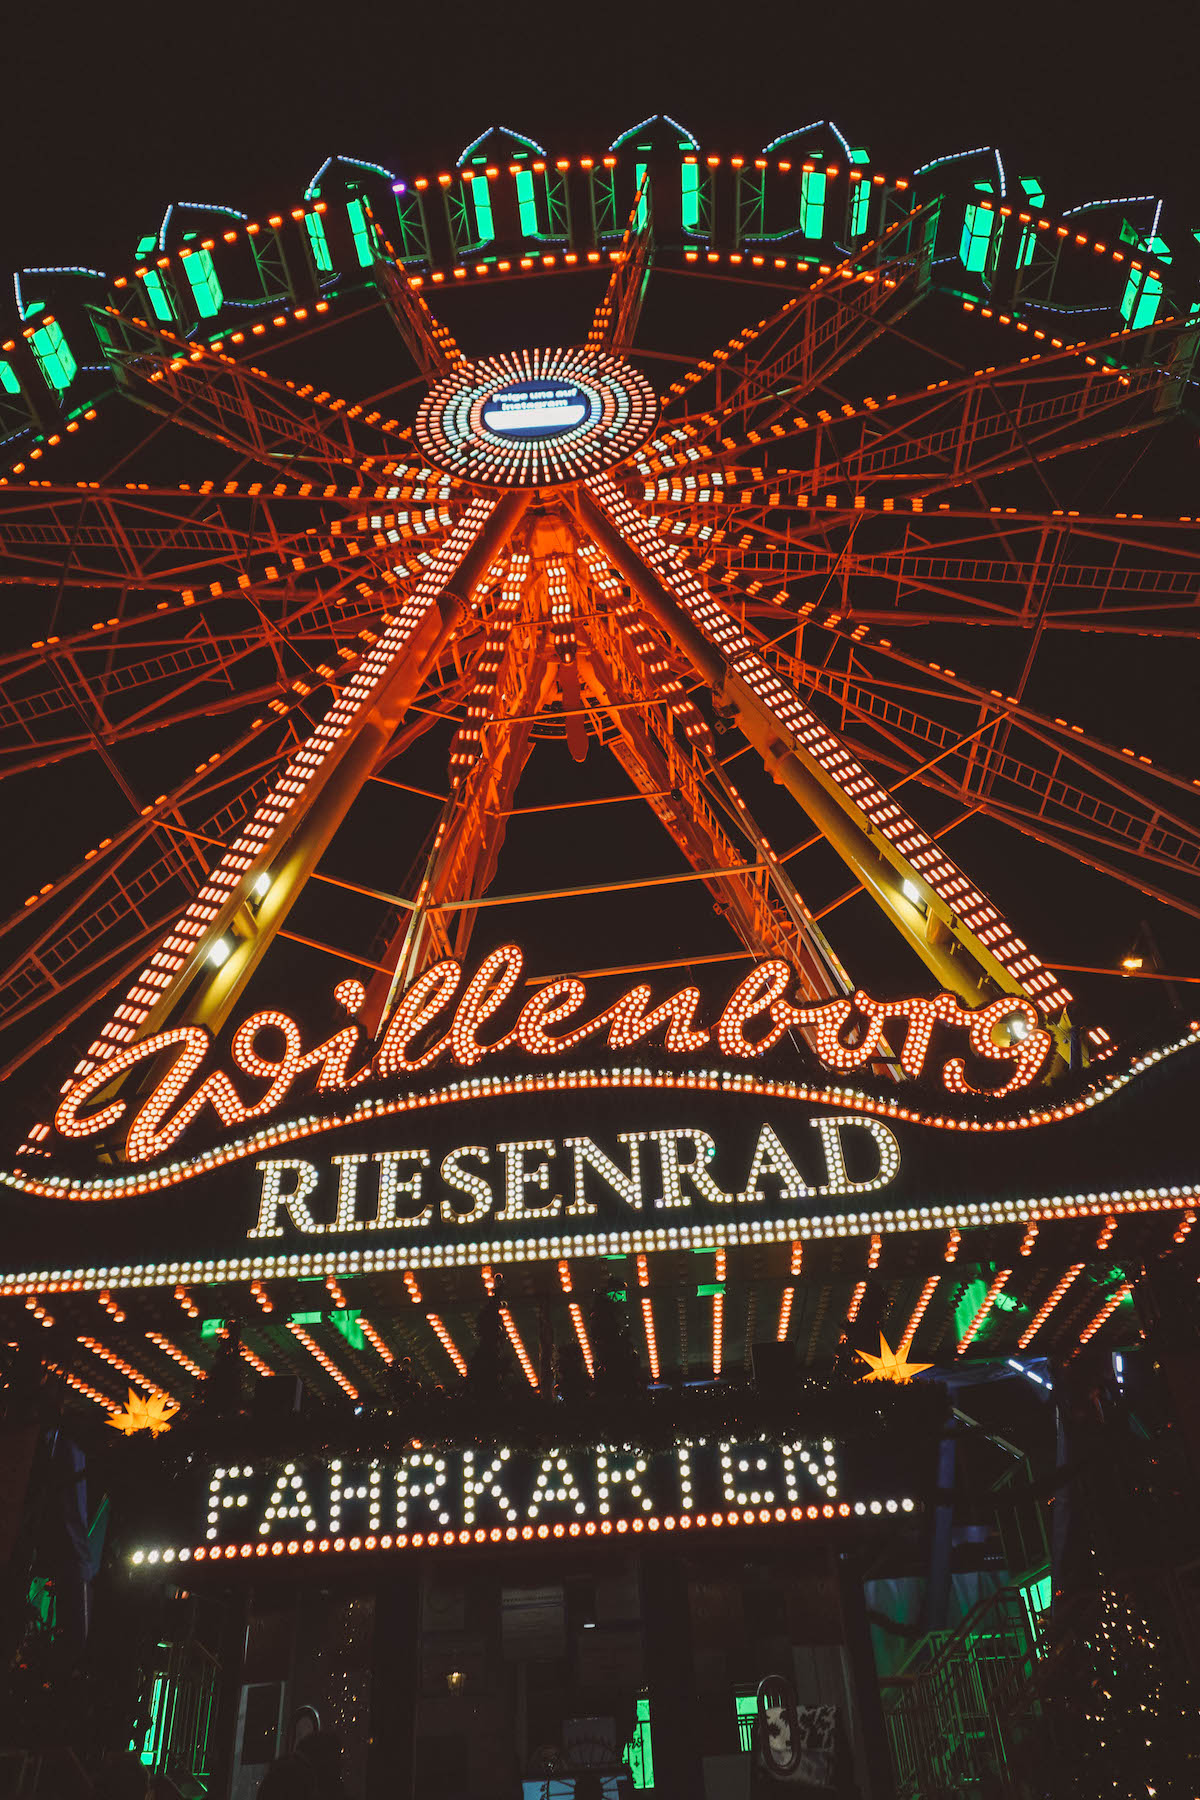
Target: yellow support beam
point(206, 994)
point(960, 962)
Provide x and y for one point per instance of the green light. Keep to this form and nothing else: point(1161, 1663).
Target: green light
point(305, 1318)
point(690, 196)
point(481, 200)
point(526, 203)
point(156, 293)
point(745, 1706)
point(319, 243)
point(860, 207)
point(617, 1294)
point(638, 1754)
point(710, 1290)
point(53, 355)
point(1039, 1593)
point(41, 1601)
point(362, 237)
point(969, 1305)
point(347, 1323)
point(206, 289)
point(211, 1328)
point(1139, 305)
point(979, 227)
point(146, 246)
point(639, 170)
point(812, 203)
point(1035, 194)
point(152, 1742)
point(1037, 1596)
point(8, 379)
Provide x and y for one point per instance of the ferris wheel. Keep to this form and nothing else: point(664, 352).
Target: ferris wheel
point(838, 520)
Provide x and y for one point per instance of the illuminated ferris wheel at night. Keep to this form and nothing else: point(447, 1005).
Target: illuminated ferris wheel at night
point(668, 560)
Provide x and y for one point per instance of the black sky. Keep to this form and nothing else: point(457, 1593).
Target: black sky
point(111, 111)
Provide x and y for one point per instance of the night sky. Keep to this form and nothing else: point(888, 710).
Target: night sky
point(109, 112)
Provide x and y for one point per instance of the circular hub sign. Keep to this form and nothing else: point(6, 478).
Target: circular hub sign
point(536, 418)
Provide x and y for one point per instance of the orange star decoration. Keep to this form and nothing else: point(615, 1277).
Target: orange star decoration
point(153, 1415)
point(887, 1366)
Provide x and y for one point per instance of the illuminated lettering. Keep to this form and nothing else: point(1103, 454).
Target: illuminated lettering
point(1026, 1049)
point(362, 1489)
point(675, 1172)
point(421, 1484)
point(844, 1034)
point(555, 1485)
point(332, 1060)
point(589, 1155)
point(466, 1181)
point(685, 1155)
point(425, 999)
point(293, 1202)
point(289, 1500)
point(631, 1022)
point(517, 1178)
point(479, 1485)
point(744, 1471)
point(194, 1045)
point(756, 997)
point(392, 1186)
point(770, 1158)
point(515, 1497)
point(550, 1006)
point(831, 1130)
point(819, 1463)
point(222, 1498)
point(279, 1072)
point(491, 985)
point(347, 1202)
point(618, 1475)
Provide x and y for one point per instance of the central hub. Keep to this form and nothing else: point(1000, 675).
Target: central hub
point(536, 418)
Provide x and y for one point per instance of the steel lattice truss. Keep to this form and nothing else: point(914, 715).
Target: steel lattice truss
point(835, 527)
point(868, 474)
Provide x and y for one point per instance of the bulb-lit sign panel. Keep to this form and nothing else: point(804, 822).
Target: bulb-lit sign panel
point(536, 418)
point(443, 1498)
point(442, 1019)
point(535, 1182)
point(496, 1116)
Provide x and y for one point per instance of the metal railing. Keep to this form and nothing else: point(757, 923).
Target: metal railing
point(182, 1700)
point(958, 1705)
